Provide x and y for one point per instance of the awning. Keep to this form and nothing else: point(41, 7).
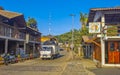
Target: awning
point(88, 39)
point(85, 38)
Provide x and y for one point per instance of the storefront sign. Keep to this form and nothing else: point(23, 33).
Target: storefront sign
point(94, 27)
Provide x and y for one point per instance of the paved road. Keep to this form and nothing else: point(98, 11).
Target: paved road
point(60, 66)
point(74, 68)
point(106, 71)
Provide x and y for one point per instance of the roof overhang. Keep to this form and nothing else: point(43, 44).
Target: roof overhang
point(85, 38)
point(112, 15)
point(32, 31)
point(9, 14)
point(88, 39)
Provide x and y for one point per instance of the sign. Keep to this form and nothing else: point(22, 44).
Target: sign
point(94, 27)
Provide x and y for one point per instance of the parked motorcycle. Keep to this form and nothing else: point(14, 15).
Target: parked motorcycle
point(6, 58)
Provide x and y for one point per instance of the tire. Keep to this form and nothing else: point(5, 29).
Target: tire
point(42, 58)
point(6, 62)
point(52, 58)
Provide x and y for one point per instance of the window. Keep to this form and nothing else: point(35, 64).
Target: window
point(112, 45)
point(47, 48)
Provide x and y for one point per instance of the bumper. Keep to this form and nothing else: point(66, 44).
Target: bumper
point(46, 56)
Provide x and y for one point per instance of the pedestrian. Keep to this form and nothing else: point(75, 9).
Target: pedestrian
point(72, 47)
point(67, 47)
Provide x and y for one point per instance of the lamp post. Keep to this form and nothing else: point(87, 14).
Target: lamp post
point(72, 30)
point(72, 45)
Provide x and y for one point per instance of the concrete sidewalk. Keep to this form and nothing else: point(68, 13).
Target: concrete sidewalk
point(88, 63)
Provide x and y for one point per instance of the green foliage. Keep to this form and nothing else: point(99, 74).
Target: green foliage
point(32, 23)
point(67, 37)
point(83, 19)
point(112, 31)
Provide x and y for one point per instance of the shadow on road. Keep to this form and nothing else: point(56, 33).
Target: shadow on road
point(60, 56)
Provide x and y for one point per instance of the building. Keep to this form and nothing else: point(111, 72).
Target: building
point(15, 35)
point(105, 44)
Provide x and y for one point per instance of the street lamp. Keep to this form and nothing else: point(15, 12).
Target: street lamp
point(72, 45)
point(72, 30)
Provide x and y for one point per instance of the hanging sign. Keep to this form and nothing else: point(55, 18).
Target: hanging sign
point(94, 27)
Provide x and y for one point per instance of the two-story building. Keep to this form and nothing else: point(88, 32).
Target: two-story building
point(14, 34)
point(104, 23)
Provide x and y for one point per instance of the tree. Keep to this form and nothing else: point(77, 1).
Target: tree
point(32, 23)
point(1, 8)
point(112, 31)
point(83, 19)
point(77, 33)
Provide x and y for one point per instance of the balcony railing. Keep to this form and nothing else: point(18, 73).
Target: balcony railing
point(10, 31)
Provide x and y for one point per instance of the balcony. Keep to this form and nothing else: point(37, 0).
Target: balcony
point(11, 32)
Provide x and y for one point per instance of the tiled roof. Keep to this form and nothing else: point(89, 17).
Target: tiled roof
point(9, 14)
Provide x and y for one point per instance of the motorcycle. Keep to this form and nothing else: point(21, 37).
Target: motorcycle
point(6, 58)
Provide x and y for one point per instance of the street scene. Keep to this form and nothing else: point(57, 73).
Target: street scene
point(51, 37)
point(62, 65)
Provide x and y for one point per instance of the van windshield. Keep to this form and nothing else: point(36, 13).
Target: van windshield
point(46, 48)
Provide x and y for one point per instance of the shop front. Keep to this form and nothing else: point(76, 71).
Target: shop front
point(106, 21)
point(112, 52)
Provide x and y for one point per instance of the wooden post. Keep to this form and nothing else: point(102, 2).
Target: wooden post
point(86, 51)
point(102, 42)
point(79, 51)
point(33, 48)
point(6, 45)
point(25, 47)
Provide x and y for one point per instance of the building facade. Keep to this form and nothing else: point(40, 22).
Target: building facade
point(15, 36)
point(106, 43)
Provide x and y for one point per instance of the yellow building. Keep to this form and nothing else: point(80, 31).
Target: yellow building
point(43, 39)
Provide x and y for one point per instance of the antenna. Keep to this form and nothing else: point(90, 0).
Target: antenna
point(49, 23)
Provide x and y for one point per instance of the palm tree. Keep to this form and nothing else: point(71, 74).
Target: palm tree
point(83, 19)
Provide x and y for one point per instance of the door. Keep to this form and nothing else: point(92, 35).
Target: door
point(113, 53)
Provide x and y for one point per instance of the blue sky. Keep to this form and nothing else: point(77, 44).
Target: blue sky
point(60, 10)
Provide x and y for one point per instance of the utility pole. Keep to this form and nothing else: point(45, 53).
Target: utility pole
point(72, 45)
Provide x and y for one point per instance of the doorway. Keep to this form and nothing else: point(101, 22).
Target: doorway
point(114, 52)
